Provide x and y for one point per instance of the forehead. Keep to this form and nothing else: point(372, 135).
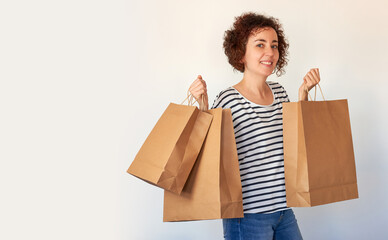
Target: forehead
point(265, 33)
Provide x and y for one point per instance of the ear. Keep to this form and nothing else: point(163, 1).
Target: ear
point(242, 60)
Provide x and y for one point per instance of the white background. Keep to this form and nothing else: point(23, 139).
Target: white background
point(83, 83)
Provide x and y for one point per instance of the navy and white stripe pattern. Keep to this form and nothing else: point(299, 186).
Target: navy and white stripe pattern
point(259, 138)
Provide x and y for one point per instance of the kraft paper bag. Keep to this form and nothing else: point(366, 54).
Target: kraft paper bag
point(318, 153)
point(213, 189)
point(171, 149)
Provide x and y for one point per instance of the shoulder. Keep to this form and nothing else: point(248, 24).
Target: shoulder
point(275, 86)
point(279, 91)
point(225, 97)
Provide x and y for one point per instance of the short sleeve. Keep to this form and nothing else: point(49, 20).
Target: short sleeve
point(287, 99)
point(282, 93)
point(218, 100)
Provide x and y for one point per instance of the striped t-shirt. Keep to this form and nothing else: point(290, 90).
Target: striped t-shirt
point(259, 138)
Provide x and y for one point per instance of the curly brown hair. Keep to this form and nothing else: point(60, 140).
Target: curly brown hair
point(236, 38)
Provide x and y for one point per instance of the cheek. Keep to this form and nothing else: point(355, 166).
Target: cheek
point(277, 56)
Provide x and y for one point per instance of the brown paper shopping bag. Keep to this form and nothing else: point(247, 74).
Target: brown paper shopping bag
point(170, 150)
point(213, 189)
point(318, 153)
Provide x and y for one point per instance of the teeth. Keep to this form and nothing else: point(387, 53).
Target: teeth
point(268, 63)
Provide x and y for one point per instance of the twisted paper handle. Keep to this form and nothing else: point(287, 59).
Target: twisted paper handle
point(315, 93)
point(191, 100)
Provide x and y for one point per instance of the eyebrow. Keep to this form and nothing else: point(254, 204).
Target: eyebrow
point(264, 40)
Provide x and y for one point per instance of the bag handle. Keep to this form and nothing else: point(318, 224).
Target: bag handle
point(191, 100)
point(315, 94)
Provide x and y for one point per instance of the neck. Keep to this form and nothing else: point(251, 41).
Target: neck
point(254, 83)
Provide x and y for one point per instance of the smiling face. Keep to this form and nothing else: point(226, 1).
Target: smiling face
point(261, 54)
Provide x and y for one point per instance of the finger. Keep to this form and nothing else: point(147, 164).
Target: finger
point(312, 80)
point(306, 83)
point(195, 87)
point(316, 73)
point(200, 79)
point(204, 83)
point(196, 95)
point(200, 83)
point(200, 90)
point(307, 79)
point(309, 82)
point(196, 83)
point(199, 87)
point(316, 78)
point(313, 77)
point(319, 76)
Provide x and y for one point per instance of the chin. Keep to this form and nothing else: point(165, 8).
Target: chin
point(267, 74)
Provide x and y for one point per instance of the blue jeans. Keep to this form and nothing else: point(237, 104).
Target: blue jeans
point(280, 225)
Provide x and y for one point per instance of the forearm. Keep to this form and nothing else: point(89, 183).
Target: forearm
point(303, 95)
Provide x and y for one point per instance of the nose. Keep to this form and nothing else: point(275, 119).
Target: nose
point(270, 51)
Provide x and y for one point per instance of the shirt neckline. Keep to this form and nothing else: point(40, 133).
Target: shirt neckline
point(255, 104)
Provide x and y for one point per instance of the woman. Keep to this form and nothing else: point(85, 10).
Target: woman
point(257, 47)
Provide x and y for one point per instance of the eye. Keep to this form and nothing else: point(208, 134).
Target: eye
point(260, 45)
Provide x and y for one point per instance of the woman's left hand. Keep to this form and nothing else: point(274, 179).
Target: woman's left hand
point(311, 79)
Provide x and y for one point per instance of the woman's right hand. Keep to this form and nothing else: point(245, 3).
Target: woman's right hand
point(198, 88)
